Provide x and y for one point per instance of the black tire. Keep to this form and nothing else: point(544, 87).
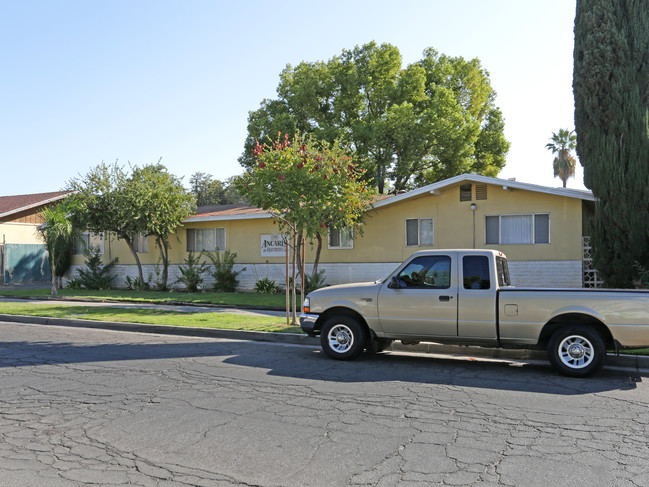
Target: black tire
point(576, 351)
point(342, 338)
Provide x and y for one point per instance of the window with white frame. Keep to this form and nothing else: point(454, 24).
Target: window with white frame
point(341, 238)
point(140, 242)
point(419, 231)
point(87, 239)
point(517, 229)
point(209, 239)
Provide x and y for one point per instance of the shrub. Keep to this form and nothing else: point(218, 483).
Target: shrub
point(225, 277)
point(191, 272)
point(136, 284)
point(643, 276)
point(312, 282)
point(96, 275)
point(73, 283)
point(267, 286)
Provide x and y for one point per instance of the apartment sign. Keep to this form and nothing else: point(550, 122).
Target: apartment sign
point(273, 245)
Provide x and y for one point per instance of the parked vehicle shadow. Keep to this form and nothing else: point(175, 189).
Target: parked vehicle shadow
point(307, 363)
point(420, 369)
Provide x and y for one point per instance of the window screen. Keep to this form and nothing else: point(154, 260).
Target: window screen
point(209, 239)
point(419, 231)
point(88, 239)
point(541, 229)
point(412, 232)
point(517, 229)
point(340, 238)
point(465, 192)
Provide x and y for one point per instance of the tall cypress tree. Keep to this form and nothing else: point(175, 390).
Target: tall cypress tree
point(611, 87)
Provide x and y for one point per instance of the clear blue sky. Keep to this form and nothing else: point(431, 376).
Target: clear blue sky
point(138, 80)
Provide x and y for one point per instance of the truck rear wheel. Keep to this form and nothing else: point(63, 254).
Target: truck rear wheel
point(576, 351)
point(342, 338)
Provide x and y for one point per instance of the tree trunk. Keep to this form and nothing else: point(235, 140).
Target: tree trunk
point(164, 254)
point(53, 272)
point(131, 247)
point(294, 314)
point(379, 178)
point(316, 259)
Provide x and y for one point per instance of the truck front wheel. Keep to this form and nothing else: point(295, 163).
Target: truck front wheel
point(576, 351)
point(342, 338)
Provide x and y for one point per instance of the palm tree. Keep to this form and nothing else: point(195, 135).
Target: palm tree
point(563, 142)
point(59, 236)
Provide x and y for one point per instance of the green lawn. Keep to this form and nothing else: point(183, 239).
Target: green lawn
point(235, 299)
point(161, 317)
point(152, 316)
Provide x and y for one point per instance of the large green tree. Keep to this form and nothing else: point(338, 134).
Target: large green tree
point(212, 192)
point(146, 200)
point(562, 143)
point(611, 87)
point(103, 203)
point(406, 126)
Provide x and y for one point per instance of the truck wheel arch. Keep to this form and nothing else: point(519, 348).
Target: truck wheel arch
point(340, 310)
point(569, 319)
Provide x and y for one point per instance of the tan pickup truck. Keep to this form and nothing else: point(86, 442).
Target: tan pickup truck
point(465, 297)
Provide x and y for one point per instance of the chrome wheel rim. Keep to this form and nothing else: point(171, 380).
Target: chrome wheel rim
point(576, 352)
point(341, 338)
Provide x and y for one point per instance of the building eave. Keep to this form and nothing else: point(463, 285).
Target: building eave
point(216, 218)
point(34, 205)
point(435, 188)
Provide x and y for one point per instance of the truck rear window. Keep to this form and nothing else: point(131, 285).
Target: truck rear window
point(475, 270)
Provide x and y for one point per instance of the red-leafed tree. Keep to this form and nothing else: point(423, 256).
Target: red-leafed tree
point(310, 187)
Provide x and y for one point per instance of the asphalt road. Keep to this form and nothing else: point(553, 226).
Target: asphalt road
point(95, 407)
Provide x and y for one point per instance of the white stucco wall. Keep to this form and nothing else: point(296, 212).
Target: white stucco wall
point(523, 273)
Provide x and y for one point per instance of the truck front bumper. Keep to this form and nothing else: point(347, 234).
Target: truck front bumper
point(307, 323)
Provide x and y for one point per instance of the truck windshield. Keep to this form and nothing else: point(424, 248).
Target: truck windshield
point(503, 272)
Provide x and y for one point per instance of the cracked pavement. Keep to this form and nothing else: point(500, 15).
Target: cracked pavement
point(97, 407)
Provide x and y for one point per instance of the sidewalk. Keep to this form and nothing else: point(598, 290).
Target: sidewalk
point(636, 363)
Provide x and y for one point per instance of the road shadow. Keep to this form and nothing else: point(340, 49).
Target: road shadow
point(306, 363)
point(420, 369)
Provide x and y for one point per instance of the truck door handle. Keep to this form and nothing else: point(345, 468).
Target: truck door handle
point(445, 298)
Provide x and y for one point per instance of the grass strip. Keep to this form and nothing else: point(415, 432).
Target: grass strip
point(162, 317)
point(153, 316)
point(162, 297)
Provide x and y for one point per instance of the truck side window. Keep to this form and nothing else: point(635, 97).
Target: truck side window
point(427, 272)
point(475, 270)
point(503, 272)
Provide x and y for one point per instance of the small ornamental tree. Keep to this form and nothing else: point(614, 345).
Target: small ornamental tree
point(59, 234)
point(162, 204)
point(309, 187)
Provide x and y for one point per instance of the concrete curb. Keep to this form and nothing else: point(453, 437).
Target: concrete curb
point(117, 302)
point(635, 362)
point(260, 336)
